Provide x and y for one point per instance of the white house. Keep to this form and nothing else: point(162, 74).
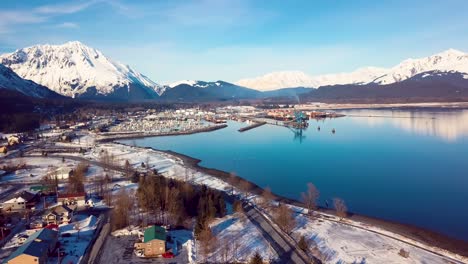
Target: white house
point(15, 204)
point(63, 173)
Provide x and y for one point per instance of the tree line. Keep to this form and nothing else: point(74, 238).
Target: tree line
point(166, 201)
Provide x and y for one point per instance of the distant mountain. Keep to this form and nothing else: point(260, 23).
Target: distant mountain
point(78, 71)
point(448, 61)
point(198, 91)
point(427, 86)
point(278, 80)
point(11, 81)
point(287, 92)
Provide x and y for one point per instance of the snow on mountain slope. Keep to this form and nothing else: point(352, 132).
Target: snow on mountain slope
point(289, 79)
point(11, 81)
point(447, 61)
point(193, 83)
point(277, 80)
point(73, 69)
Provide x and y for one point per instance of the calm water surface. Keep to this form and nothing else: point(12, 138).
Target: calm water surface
point(406, 166)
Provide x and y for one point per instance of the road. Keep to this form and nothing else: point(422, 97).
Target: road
point(287, 252)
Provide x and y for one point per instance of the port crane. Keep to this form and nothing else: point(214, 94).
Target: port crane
point(298, 124)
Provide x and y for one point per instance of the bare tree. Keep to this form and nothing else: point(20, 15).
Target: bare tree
point(340, 207)
point(267, 196)
point(310, 197)
point(225, 249)
point(120, 214)
point(245, 186)
point(284, 217)
point(233, 181)
point(128, 170)
point(208, 241)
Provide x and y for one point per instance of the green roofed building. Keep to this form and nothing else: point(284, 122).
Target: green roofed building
point(154, 242)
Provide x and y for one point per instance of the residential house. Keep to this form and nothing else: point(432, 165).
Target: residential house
point(36, 248)
point(78, 199)
point(37, 223)
point(13, 140)
point(63, 173)
point(154, 242)
point(22, 201)
point(60, 215)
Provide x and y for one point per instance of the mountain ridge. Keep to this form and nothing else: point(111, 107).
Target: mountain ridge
point(74, 70)
point(448, 60)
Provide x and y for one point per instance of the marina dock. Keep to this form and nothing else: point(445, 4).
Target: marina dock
point(257, 124)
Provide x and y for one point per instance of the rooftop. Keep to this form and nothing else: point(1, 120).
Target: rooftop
point(154, 232)
point(36, 245)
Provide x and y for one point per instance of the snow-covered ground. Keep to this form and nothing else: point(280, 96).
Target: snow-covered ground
point(39, 167)
point(240, 238)
point(35, 166)
point(74, 246)
point(341, 243)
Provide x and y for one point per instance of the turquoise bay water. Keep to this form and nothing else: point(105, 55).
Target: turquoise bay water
point(406, 166)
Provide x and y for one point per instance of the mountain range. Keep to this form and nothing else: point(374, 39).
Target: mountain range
point(449, 60)
point(78, 71)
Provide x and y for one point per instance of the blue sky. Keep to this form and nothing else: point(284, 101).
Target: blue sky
point(170, 40)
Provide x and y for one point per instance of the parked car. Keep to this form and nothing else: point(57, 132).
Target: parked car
point(168, 255)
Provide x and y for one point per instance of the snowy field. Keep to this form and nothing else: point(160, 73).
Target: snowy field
point(238, 239)
point(38, 167)
point(35, 166)
point(75, 244)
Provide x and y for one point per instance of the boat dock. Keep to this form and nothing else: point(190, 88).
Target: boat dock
point(256, 124)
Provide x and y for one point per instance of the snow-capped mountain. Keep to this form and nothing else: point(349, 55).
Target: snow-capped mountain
point(278, 80)
point(76, 70)
point(11, 81)
point(447, 61)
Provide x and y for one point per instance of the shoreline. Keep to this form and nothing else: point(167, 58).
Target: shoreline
point(416, 233)
point(419, 234)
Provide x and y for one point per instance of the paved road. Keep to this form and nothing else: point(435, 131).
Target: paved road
point(286, 251)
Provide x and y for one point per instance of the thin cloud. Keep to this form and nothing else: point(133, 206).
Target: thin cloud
point(68, 25)
point(65, 8)
point(11, 18)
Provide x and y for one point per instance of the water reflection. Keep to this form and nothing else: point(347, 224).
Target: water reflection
point(447, 125)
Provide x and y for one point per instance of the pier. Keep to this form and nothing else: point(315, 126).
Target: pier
point(257, 124)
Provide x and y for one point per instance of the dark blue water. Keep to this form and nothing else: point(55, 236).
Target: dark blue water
point(406, 166)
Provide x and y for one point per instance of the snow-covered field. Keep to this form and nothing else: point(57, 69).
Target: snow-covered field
point(74, 246)
point(240, 238)
point(35, 166)
point(38, 167)
point(341, 243)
